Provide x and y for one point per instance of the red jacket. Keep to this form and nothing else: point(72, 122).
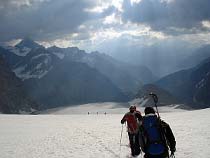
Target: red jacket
point(132, 121)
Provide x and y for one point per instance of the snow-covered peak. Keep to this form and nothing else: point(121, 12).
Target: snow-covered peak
point(27, 43)
point(23, 48)
point(38, 71)
point(37, 67)
point(19, 52)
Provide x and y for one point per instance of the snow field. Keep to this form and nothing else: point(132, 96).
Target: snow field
point(94, 136)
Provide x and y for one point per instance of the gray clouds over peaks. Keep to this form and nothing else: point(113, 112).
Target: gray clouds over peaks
point(163, 15)
point(43, 19)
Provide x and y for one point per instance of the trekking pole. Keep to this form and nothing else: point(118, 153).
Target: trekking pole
point(121, 138)
point(155, 99)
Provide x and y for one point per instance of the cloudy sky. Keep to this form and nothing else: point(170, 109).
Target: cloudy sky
point(101, 24)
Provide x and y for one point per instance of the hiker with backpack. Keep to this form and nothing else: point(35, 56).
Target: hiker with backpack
point(132, 118)
point(156, 136)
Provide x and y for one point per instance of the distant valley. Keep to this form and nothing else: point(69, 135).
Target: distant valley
point(63, 76)
point(56, 77)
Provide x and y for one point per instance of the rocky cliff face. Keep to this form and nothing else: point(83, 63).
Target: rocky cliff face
point(12, 96)
point(72, 83)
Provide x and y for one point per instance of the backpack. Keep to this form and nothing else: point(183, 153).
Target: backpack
point(154, 141)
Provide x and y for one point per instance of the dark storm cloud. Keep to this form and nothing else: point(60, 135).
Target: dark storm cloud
point(162, 15)
point(44, 19)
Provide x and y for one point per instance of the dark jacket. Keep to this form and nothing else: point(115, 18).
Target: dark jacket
point(167, 135)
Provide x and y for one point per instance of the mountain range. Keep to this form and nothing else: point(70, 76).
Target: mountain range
point(192, 86)
point(65, 76)
point(55, 77)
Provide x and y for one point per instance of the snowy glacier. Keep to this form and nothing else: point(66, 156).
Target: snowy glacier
point(62, 134)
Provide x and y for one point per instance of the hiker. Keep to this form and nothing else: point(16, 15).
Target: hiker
point(137, 111)
point(156, 135)
point(132, 118)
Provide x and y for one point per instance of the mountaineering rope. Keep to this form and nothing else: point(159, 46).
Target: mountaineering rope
point(121, 139)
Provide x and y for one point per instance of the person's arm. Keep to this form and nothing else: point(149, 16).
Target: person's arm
point(169, 136)
point(123, 119)
point(138, 116)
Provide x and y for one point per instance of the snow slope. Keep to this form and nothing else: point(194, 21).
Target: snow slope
point(108, 107)
point(94, 136)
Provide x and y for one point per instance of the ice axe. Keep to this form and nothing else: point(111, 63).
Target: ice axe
point(155, 99)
